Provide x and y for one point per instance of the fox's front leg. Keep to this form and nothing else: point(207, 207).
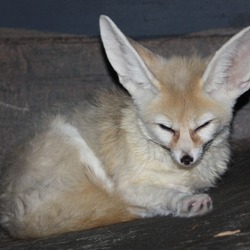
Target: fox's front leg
point(148, 201)
point(192, 205)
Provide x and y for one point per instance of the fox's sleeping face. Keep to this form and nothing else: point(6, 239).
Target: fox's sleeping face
point(182, 118)
point(182, 104)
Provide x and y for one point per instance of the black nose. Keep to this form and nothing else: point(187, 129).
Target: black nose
point(187, 159)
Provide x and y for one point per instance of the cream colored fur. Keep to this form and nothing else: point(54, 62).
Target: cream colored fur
point(125, 156)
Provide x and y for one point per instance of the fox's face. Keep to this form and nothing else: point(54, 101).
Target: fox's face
point(181, 117)
point(185, 140)
point(182, 104)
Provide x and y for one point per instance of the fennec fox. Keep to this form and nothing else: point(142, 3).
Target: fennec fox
point(129, 155)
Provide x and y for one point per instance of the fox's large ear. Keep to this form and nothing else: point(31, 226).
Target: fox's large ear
point(129, 61)
point(228, 74)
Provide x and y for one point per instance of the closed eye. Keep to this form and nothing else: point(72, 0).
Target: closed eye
point(164, 127)
point(205, 124)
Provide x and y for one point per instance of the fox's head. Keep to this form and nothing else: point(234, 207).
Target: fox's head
point(183, 104)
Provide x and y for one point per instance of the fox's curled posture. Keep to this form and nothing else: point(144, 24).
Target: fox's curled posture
point(129, 155)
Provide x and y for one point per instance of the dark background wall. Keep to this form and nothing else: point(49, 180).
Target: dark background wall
point(138, 18)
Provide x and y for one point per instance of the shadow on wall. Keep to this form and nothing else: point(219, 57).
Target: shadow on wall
point(137, 18)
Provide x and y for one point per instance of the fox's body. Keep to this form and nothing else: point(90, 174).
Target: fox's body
point(120, 158)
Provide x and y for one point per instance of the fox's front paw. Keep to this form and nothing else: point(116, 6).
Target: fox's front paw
point(192, 205)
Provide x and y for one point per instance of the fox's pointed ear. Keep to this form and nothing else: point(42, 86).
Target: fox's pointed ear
point(228, 74)
point(129, 60)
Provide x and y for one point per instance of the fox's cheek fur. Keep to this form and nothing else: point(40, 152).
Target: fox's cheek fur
point(153, 132)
